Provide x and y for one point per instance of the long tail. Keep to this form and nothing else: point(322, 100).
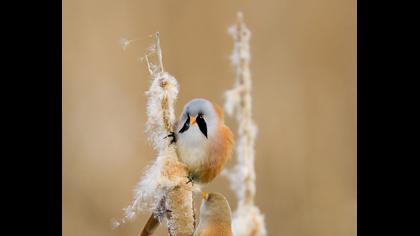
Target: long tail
point(150, 226)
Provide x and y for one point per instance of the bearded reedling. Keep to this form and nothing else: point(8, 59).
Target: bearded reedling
point(215, 216)
point(203, 143)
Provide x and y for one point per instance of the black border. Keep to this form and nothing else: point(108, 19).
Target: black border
point(381, 147)
point(32, 91)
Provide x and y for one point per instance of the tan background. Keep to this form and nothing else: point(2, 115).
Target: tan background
point(304, 72)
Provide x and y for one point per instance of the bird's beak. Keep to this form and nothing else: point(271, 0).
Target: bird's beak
point(193, 120)
point(204, 195)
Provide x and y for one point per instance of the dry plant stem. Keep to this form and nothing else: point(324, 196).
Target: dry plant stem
point(243, 108)
point(178, 204)
point(163, 188)
point(178, 200)
point(247, 219)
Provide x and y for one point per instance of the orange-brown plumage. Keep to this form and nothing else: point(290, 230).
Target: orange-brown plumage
point(215, 216)
point(204, 149)
point(220, 153)
point(204, 144)
point(213, 229)
point(219, 111)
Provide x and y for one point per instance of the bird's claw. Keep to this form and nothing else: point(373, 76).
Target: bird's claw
point(172, 136)
point(190, 179)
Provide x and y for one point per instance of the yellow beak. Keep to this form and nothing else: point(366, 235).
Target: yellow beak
point(193, 120)
point(204, 195)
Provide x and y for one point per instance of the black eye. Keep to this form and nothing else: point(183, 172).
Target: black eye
point(186, 125)
point(202, 124)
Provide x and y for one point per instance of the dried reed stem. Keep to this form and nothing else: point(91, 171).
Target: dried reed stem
point(247, 219)
point(163, 189)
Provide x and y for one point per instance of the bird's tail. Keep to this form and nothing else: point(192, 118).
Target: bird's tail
point(150, 226)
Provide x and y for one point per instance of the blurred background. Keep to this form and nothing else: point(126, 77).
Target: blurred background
point(304, 97)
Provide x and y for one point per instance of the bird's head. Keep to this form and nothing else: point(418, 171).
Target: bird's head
point(215, 207)
point(199, 117)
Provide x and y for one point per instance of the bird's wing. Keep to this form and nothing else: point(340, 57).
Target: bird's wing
point(229, 141)
point(219, 111)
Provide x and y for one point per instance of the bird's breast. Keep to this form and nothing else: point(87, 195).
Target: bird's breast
point(193, 157)
point(193, 148)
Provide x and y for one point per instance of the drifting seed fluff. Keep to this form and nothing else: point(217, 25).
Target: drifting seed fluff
point(247, 218)
point(164, 180)
point(124, 43)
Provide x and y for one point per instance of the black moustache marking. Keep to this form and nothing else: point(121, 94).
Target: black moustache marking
point(202, 125)
point(186, 125)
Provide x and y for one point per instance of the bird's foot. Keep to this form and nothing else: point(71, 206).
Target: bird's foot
point(172, 136)
point(190, 179)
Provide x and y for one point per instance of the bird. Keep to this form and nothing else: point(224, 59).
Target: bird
point(203, 143)
point(215, 216)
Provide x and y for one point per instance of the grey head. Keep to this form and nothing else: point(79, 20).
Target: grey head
point(201, 112)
